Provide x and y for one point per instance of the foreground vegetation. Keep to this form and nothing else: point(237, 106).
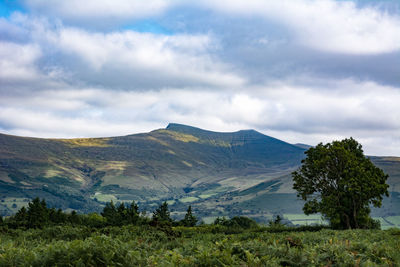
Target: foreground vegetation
point(122, 236)
point(207, 245)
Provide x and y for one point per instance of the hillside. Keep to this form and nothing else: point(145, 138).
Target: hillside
point(242, 172)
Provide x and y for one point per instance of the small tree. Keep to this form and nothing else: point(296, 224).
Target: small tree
point(337, 180)
point(20, 218)
point(111, 214)
point(133, 213)
point(74, 218)
point(276, 222)
point(37, 213)
point(189, 219)
point(161, 214)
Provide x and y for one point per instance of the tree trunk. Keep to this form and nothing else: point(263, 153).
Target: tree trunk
point(347, 221)
point(355, 214)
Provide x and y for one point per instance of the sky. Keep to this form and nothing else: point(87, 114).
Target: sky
point(303, 71)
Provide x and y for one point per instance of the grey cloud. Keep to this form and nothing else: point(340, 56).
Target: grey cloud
point(218, 71)
point(307, 113)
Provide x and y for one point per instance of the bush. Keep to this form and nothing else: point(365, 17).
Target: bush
point(238, 221)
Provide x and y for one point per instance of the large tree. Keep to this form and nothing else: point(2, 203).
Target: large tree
point(340, 182)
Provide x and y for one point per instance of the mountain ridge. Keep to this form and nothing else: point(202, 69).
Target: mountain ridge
point(219, 173)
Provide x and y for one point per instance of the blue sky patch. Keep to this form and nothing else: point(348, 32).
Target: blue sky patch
point(149, 26)
point(7, 7)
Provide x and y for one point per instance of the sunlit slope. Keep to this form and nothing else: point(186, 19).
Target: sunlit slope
point(236, 173)
point(159, 164)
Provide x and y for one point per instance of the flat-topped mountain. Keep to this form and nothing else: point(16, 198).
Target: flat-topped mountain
point(215, 171)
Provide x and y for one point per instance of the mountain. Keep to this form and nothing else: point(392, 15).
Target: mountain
point(304, 146)
point(235, 173)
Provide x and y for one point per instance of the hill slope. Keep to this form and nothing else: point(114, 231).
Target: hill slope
point(242, 172)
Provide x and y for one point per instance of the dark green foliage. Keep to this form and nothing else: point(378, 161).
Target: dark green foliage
point(189, 219)
point(93, 220)
point(37, 214)
point(162, 215)
point(276, 222)
point(121, 215)
point(337, 180)
point(111, 214)
point(132, 213)
point(74, 218)
point(238, 221)
point(57, 216)
point(196, 246)
point(21, 218)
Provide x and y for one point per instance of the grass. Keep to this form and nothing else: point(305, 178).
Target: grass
point(188, 199)
point(204, 196)
point(395, 220)
point(384, 223)
point(209, 220)
point(197, 246)
point(86, 142)
point(104, 197)
point(302, 219)
point(182, 137)
point(171, 202)
point(302, 216)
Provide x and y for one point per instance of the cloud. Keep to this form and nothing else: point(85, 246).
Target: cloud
point(302, 71)
point(332, 26)
point(290, 112)
point(126, 60)
point(17, 62)
point(151, 60)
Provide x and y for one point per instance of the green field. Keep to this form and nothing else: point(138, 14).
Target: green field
point(188, 199)
point(313, 219)
point(196, 246)
point(104, 197)
point(302, 219)
point(395, 220)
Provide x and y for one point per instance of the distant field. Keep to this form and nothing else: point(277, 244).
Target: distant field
point(188, 199)
point(384, 223)
point(204, 196)
point(302, 219)
point(105, 197)
point(209, 220)
point(171, 202)
point(395, 220)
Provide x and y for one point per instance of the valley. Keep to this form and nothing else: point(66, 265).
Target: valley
point(219, 174)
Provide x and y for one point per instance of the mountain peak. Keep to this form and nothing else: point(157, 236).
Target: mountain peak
point(192, 130)
point(180, 127)
point(186, 129)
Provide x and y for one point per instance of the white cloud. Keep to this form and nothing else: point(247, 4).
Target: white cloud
point(69, 81)
point(326, 25)
point(286, 111)
point(17, 62)
point(119, 60)
point(177, 58)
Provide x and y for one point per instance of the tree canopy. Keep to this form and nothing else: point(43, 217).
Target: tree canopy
point(340, 182)
point(162, 214)
point(189, 219)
